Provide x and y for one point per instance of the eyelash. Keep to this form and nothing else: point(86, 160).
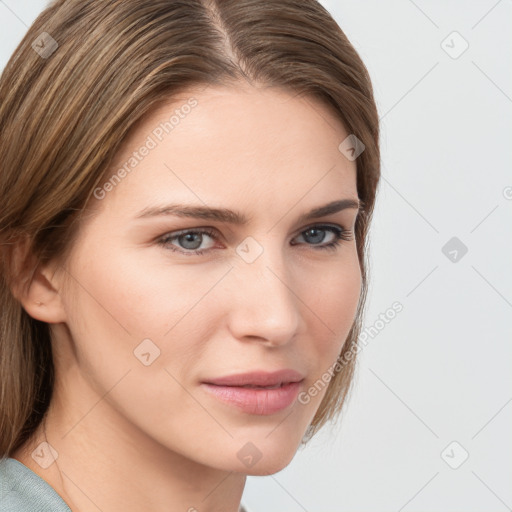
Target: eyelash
point(340, 233)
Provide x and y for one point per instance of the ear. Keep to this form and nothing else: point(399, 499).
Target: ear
point(37, 286)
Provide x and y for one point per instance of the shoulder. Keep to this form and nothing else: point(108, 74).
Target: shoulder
point(22, 490)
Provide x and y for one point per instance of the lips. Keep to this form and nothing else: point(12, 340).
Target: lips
point(258, 379)
point(258, 392)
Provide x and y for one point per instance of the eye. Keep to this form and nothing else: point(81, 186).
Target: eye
point(316, 235)
point(192, 239)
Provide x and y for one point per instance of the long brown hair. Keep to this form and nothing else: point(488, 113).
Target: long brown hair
point(81, 78)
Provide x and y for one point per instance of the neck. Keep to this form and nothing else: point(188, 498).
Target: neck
point(105, 462)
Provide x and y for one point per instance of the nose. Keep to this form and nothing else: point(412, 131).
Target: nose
point(264, 305)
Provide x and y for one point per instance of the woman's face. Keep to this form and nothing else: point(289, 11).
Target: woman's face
point(150, 321)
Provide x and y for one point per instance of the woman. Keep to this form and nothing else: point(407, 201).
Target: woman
point(187, 192)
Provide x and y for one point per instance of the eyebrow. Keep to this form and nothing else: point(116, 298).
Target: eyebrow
point(233, 217)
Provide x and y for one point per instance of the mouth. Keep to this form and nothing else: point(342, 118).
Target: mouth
point(257, 393)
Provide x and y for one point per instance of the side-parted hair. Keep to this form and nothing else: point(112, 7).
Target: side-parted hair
point(83, 76)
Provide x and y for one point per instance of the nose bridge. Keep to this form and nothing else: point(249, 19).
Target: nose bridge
point(264, 305)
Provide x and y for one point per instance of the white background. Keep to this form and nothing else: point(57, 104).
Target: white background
point(441, 370)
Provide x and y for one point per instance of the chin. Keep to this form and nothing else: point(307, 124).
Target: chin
point(264, 456)
point(269, 467)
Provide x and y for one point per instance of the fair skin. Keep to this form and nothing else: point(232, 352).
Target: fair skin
point(131, 437)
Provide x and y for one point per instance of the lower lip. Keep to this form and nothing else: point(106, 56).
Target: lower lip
point(256, 400)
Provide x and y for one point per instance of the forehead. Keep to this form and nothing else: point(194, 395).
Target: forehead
point(233, 145)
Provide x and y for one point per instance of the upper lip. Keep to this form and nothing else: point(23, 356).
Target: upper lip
point(258, 378)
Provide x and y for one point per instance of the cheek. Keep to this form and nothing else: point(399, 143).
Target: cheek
point(333, 295)
point(143, 296)
point(332, 301)
point(122, 302)
point(135, 332)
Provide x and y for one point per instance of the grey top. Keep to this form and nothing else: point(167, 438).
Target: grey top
point(22, 490)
